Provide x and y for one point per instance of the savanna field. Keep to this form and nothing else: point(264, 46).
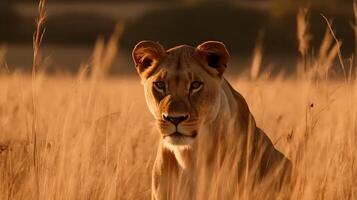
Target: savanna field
point(91, 136)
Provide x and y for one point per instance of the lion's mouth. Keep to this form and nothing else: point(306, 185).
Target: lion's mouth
point(178, 134)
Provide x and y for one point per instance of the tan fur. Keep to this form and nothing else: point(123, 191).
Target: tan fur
point(215, 112)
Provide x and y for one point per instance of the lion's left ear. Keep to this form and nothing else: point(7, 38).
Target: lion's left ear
point(214, 55)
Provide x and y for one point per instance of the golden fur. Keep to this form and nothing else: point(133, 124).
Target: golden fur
point(192, 102)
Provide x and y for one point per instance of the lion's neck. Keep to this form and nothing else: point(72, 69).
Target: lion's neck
point(234, 108)
point(228, 104)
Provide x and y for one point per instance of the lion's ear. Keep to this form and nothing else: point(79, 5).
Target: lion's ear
point(214, 55)
point(146, 55)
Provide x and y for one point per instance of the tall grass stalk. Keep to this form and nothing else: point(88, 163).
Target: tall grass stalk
point(355, 31)
point(304, 37)
point(37, 40)
point(257, 58)
point(339, 44)
point(327, 54)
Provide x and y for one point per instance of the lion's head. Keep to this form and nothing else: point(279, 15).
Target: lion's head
point(182, 86)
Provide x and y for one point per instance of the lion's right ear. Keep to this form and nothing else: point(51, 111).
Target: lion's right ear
point(146, 55)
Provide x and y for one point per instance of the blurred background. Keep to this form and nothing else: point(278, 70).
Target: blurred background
point(74, 26)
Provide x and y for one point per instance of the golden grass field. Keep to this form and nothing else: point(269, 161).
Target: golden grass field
point(91, 136)
point(96, 139)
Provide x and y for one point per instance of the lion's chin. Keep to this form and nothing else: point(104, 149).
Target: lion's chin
point(177, 140)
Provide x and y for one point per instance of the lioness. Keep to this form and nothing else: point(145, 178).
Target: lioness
point(188, 96)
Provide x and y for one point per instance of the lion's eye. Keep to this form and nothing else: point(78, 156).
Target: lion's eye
point(196, 85)
point(160, 85)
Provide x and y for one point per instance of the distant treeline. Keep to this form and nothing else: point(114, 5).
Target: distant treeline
point(9, 20)
point(305, 1)
point(101, 1)
point(237, 27)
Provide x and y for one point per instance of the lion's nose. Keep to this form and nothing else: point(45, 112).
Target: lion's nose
point(176, 120)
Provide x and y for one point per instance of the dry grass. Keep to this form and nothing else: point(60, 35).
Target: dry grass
point(99, 143)
point(91, 137)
